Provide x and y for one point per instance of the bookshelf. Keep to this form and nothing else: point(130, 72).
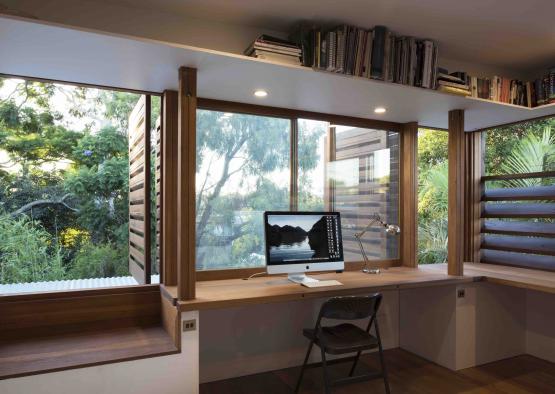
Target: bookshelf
point(50, 51)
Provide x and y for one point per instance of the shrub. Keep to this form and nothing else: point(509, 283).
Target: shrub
point(28, 253)
point(99, 261)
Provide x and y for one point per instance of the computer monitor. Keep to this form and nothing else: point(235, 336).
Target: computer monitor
point(299, 242)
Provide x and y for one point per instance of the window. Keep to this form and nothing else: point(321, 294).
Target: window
point(64, 197)
point(433, 182)
point(356, 172)
point(244, 169)
point(519, 192)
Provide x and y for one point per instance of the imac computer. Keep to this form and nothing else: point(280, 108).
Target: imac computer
point(299, 242)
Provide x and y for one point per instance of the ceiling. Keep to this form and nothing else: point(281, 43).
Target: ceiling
point(516, 34)
point(59, 53)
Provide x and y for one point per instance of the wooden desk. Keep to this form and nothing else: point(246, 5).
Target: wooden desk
point(236, 292)
point(512, 276)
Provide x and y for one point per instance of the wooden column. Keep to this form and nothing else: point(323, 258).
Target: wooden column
point(186, 164)
point(473, 196)
point(408, 212)
point(169, 188)
point(455, 231)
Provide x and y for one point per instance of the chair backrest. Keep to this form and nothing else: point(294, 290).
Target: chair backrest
point(351, 307)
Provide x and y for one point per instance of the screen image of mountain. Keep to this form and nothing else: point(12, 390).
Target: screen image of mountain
point(297, 238)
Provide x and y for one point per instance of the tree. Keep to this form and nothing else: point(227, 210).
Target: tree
point(69, 173)
point(28, 253)
point(239, 158)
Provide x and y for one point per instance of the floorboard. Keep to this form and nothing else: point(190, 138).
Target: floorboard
point(408, 374)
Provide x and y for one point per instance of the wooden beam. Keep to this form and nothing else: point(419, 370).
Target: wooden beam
point(169, 187)
point(473, 195)
point(186, 164)
point(294, 166)
point(409, 193)
point(456, 156)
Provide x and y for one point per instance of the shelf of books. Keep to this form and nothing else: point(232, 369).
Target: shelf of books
point(344, 77)
point(380, 54)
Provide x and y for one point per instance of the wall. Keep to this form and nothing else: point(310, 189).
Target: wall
point(487, 324)
point(175, 374)
point(247, 340)
point(540, 325)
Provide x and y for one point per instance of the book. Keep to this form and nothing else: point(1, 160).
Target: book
point(378, 51)
point(375, 53)
point(448, 89)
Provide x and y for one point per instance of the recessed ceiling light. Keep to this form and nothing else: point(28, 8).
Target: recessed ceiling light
point(260, 93)
point(379, 110)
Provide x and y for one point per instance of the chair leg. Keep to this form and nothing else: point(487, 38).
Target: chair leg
point(298, 386)
point(327, 388)
point(354, 364)
point(384, 370)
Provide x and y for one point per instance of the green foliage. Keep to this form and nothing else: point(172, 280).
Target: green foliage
point(51, 155)
point(500, 142)
point(100, 261)
point(432, 196)
point(432, 241)
point(433, 192)
point(531, 154)
point(432, 147)
point(28, 253)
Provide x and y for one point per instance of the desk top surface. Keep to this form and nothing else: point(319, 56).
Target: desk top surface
point(236, 292)
point(228, 293)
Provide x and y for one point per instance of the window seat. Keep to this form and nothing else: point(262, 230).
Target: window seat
point(50, 332)
point(29, 356)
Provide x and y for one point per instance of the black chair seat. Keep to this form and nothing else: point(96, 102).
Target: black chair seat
point(341, 339)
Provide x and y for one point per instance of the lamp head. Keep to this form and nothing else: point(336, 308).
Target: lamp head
point(392, 229)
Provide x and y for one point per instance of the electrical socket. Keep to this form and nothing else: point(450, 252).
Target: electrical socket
point(460, 293)
point(189, 325)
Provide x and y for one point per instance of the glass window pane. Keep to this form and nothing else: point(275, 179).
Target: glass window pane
point(64, 193)
point(354, 171)
point(243, 169)
point(433, 188)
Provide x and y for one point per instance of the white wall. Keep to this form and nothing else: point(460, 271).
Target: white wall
point(540, 325)
point(251, 339)
point(488, 324)
point(175, 374)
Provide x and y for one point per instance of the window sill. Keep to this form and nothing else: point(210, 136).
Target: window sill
point(30, 356)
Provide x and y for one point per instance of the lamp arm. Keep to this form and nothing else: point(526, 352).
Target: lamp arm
point(375, 219)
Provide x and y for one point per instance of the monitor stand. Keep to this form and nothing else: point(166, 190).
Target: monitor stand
point(301, 278)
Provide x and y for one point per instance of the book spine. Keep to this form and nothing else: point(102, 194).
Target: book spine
point(377, 68)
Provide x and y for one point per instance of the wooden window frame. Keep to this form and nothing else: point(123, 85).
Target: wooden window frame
point(293, 116)
point(49, 295)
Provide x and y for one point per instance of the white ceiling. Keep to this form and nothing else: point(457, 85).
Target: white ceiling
point(53, 52)
point(516, 34)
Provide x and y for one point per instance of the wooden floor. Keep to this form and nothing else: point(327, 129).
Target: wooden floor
point(408, 374)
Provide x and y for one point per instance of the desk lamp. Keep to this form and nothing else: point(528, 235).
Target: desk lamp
point(391, 229)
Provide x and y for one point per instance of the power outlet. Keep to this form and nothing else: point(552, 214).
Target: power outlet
point(460, 293)
point(189, 325)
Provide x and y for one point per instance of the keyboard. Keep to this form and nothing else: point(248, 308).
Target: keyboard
point(322, 283)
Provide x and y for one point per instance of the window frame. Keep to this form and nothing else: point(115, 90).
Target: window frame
point(47, 295)
point(293, 116)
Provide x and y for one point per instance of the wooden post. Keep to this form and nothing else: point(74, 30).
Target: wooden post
point(186, 165)
point(455, 231)
point(473, 197)
point(294, 166)
point(169, 188)
point(409, 195)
